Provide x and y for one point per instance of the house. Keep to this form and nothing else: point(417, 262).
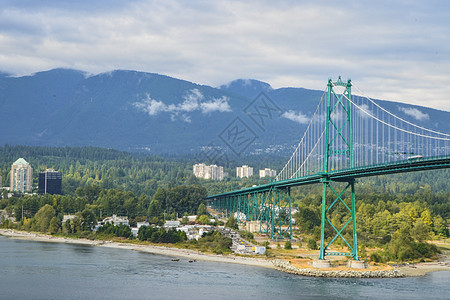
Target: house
point(135, 230)
point(192, 218)
point(139, 224)
point(259, 249)
point(194, 231)
point(67, 217)
point(116, 220)
point(171, 224)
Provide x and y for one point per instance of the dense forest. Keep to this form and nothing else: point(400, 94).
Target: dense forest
point(108, 168)
point(392, 210)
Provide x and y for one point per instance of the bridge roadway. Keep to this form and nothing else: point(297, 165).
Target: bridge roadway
point(346, 175)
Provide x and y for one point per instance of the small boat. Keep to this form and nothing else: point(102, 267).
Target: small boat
point(192, 260)
point(175, 259)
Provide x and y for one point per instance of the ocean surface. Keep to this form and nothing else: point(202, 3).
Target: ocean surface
point(37, 270)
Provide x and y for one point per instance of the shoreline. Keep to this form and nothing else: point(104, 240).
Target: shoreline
point(406, 270)
point(152, 249)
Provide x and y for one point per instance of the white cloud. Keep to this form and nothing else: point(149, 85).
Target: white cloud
point(151, 106)
point(217, 104)
point(365, 111)
point(298, 117)
point(186, 118)
point(415, 113)
point(192, 102)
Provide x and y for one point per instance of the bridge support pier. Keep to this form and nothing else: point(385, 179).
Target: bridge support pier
point(356, 264)
point(339, 198)
point(321, 263)
point(322, 226)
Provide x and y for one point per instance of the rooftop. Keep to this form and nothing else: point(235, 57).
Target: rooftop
point(21, 161)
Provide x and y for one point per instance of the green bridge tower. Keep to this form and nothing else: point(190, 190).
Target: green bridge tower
point(338, 153)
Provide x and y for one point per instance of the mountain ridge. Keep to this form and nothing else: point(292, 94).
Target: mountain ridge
point(139, 111)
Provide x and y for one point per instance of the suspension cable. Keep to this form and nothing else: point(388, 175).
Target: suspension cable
point(395, 116)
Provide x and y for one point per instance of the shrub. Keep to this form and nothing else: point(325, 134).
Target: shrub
point(247, 235)
point(120, 230)
point(288, 245)
point(213, 241)
point(376, 257)
point(312, 244)
point(160, 235)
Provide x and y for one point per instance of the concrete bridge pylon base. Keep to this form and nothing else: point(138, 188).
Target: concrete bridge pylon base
point(321, 263)
point(357, 264)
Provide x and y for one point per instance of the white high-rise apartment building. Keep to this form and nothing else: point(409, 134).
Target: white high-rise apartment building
point(216, 172)
point(244, 171)
point(213, 172)
point(200, 170)
point(267, 173)
point(21, 176)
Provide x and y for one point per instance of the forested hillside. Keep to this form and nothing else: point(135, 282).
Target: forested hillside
point(403, 209)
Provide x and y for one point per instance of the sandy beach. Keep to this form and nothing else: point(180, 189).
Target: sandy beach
point(418, 269)
point(422, 269)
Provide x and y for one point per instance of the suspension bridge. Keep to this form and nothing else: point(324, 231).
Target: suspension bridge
point(348, 137)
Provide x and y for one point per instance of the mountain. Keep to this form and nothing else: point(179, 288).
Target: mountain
point(249, 88)
point(126, 110)
point(137, 111)
point(4, 74)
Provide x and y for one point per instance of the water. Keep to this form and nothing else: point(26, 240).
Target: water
point(34, 270)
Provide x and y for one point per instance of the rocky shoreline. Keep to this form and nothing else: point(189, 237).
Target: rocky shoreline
point(285, 266)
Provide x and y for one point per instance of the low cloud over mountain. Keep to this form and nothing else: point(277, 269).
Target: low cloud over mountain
point(415, 113)
point(194, 100)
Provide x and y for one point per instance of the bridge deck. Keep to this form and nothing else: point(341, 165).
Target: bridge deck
point(404, 166)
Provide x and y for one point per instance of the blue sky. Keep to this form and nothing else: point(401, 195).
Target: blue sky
point(392, 50)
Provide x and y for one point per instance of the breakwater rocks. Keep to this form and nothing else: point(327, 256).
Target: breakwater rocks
point(287, 267)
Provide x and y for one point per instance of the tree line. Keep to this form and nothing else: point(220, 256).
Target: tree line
point(92, 203)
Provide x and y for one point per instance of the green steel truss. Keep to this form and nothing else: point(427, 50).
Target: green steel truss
point(338, 198)
point(270, 208)
point(338, 142)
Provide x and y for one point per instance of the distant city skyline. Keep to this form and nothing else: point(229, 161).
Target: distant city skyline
point(397, 51)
